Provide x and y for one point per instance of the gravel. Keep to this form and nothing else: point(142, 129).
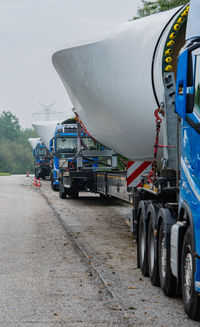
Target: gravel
point(73, 263)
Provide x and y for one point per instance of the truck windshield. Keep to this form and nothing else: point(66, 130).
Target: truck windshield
point(41, 152)
point(197, 86)
point(88, 143)
point(66, 144)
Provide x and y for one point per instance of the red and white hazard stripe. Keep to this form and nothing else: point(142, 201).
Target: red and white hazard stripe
point(135, 170)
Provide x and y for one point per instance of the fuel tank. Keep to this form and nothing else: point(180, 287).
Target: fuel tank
point(116, 83)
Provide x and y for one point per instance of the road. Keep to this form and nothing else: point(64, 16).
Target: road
point(73, 263)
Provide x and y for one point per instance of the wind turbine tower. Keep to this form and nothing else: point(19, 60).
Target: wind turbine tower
point(47, 113)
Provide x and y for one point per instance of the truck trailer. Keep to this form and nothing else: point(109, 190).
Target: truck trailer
point(138, 92)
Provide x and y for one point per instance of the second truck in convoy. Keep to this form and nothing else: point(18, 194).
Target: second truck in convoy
point(62, 146)
point(76, 159)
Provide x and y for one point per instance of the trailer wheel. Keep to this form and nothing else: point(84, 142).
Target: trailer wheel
point(167, 280)
point(62, 194)
point(143, 258)
point(190, 296)
point(103, 196)
point(153, 268)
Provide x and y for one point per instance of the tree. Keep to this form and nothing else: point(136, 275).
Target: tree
point(16, 155)
point(9, 126)
point(153, 7)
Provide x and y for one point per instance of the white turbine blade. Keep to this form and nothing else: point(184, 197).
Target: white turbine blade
point(110, 83)
point(33, 142)
point(45, 129)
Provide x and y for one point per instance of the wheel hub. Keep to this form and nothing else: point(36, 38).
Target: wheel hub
point(142, 244)
point(163, 256)
point(188, 276)
point(152, 249)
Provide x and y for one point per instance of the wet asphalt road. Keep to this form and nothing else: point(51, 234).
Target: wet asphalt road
point(73, 263)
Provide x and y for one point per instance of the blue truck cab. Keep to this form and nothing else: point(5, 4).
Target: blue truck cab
point(77, 156)
point(188, 226)
point(63, 146)
point(66, 146)
point(42, 160)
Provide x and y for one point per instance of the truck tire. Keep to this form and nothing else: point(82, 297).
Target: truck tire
point(167, 280)
point(103, 196)
point(62, 194)
point(53, 186)
point(190, 296)
point(74, 193)
point(152, 255)
point(142, 245)
point(37, 175)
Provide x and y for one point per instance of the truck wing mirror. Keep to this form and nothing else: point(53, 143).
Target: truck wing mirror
point(184, 101)
point(190, 78)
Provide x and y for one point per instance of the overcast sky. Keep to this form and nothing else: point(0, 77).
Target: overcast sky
point(31, 31)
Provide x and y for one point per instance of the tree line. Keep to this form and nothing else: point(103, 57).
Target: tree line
point(16, 155)
point(153, 7)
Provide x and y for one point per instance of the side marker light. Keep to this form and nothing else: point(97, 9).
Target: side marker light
point(168, 68)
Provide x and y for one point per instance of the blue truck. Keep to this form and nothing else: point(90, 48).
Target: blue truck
point(76, 159)
point(62, 146)
point(166, 215)
point(42, 160)
point(165, 218)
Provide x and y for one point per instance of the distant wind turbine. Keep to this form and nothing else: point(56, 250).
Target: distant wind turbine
point(47, 112)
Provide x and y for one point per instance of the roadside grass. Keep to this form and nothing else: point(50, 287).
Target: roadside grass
point(4, 174)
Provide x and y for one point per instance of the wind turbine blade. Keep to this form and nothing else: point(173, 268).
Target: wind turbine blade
point(42, 105)
point(51, 104)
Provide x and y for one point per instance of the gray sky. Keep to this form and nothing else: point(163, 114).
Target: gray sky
point(31, 31)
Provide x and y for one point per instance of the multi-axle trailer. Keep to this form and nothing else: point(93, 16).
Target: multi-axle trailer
point(149, 69)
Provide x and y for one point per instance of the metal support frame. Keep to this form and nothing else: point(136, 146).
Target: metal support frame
point(90, 156)
point(170, 122)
